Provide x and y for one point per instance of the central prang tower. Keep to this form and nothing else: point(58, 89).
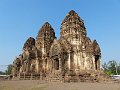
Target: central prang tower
point(73, 28)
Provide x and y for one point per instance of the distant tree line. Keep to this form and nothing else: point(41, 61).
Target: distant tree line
point(2, 73)
point(111, 68)
point(8, 71)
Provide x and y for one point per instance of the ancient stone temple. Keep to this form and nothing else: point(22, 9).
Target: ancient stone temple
point(73, 54)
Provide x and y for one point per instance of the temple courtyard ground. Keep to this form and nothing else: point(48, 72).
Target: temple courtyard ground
point(42, 85)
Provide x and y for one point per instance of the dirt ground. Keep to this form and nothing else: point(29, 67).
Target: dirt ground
point(42, 85)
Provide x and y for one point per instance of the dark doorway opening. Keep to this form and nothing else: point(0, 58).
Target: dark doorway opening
point(56, 64)
point(96, 61)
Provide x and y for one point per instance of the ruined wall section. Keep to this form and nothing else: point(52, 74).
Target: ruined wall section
point(25, 62)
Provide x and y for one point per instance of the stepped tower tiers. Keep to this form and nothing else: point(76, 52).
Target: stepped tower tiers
point(73, 28)
point(71, 55)
point(45, 38)
point(81, 54)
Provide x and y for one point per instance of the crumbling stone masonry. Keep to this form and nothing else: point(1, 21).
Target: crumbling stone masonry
point(72, 57)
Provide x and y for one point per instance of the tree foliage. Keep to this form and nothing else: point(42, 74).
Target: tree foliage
point(9, 69)
point(111, 68)
point(2, 73)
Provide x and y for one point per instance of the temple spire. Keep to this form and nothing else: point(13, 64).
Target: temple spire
point(45, 36)
point(72, 15)
point(46, 26)
point(30, 42)
point(72, 24)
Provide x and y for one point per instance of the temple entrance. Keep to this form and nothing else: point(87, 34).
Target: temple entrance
point(56, 64)
point(96, 62)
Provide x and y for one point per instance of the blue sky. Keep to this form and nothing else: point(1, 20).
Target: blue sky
point(20, 19)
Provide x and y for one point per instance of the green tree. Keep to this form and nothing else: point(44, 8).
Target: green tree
point(2, 73)
point(111, 68)
point(118, 68)
point(106, 70)
point(9, 69)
